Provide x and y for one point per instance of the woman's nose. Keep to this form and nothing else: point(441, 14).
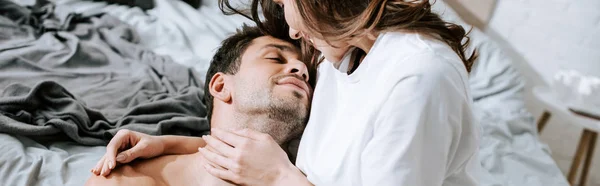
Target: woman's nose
point(295, 34)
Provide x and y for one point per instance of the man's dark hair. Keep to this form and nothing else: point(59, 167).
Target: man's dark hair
point(228, 58)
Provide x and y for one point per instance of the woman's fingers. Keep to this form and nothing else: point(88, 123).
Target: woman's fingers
point(115, 144)
point(105, 170)
point(221, 173)
point(212, 165)
point(108, 161)
point(132, 153)
point(218, 145)
point(254, 156)
point(228, 137)
point(218, 160)
point(107, 167)
point(96, 170)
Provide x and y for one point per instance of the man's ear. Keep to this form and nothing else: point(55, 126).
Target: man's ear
point(218, 89)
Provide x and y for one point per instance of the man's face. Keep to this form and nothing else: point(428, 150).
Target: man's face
point(272, 80)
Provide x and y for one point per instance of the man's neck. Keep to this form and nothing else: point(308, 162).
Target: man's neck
point(268, 125)
point(240, 121)
point(233, 120)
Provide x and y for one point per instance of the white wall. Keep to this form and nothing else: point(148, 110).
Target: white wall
point(552, 34)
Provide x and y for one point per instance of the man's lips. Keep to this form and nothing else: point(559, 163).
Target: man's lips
point(295, 82)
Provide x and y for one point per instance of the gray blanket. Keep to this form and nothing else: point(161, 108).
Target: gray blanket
point(87, 77)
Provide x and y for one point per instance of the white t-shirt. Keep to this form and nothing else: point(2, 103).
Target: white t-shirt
point(403, 118)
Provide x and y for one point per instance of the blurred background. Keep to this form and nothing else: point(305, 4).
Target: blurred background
point(545, 36)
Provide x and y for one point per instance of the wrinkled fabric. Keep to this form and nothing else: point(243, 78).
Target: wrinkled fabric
point(87, 77)
point(143, 4)
point(48, 108)
point(25, 162)
point(190, 36)
point(73, 79)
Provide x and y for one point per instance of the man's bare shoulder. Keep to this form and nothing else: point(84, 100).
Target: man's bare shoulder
point(175, 170)
point(123, 175)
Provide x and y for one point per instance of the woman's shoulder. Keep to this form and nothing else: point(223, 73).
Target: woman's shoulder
point(415, 52)
point(435, 68)
point(426, 63)
point(408, 42)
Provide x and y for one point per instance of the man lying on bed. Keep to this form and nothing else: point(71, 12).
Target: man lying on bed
point(265, 88)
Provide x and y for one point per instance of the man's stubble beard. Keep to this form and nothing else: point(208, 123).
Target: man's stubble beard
point(284, 118)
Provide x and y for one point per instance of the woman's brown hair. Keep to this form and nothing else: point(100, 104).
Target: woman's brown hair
point(339, 20)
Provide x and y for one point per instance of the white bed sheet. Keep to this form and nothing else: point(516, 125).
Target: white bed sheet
point(25, 162)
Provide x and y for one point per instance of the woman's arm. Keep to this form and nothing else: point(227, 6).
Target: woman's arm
point(181, 144)
point(128, 145)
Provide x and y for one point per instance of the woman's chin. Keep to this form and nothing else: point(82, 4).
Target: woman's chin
point(332, 54)
point(333, 59)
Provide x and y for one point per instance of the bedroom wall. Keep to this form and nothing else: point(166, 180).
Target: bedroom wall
point(546, 36)
point(552, 34)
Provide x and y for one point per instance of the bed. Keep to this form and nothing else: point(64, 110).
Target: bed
point(175, 34)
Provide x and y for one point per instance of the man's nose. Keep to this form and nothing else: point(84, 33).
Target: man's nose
point(295, 34)
point(299, 68)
